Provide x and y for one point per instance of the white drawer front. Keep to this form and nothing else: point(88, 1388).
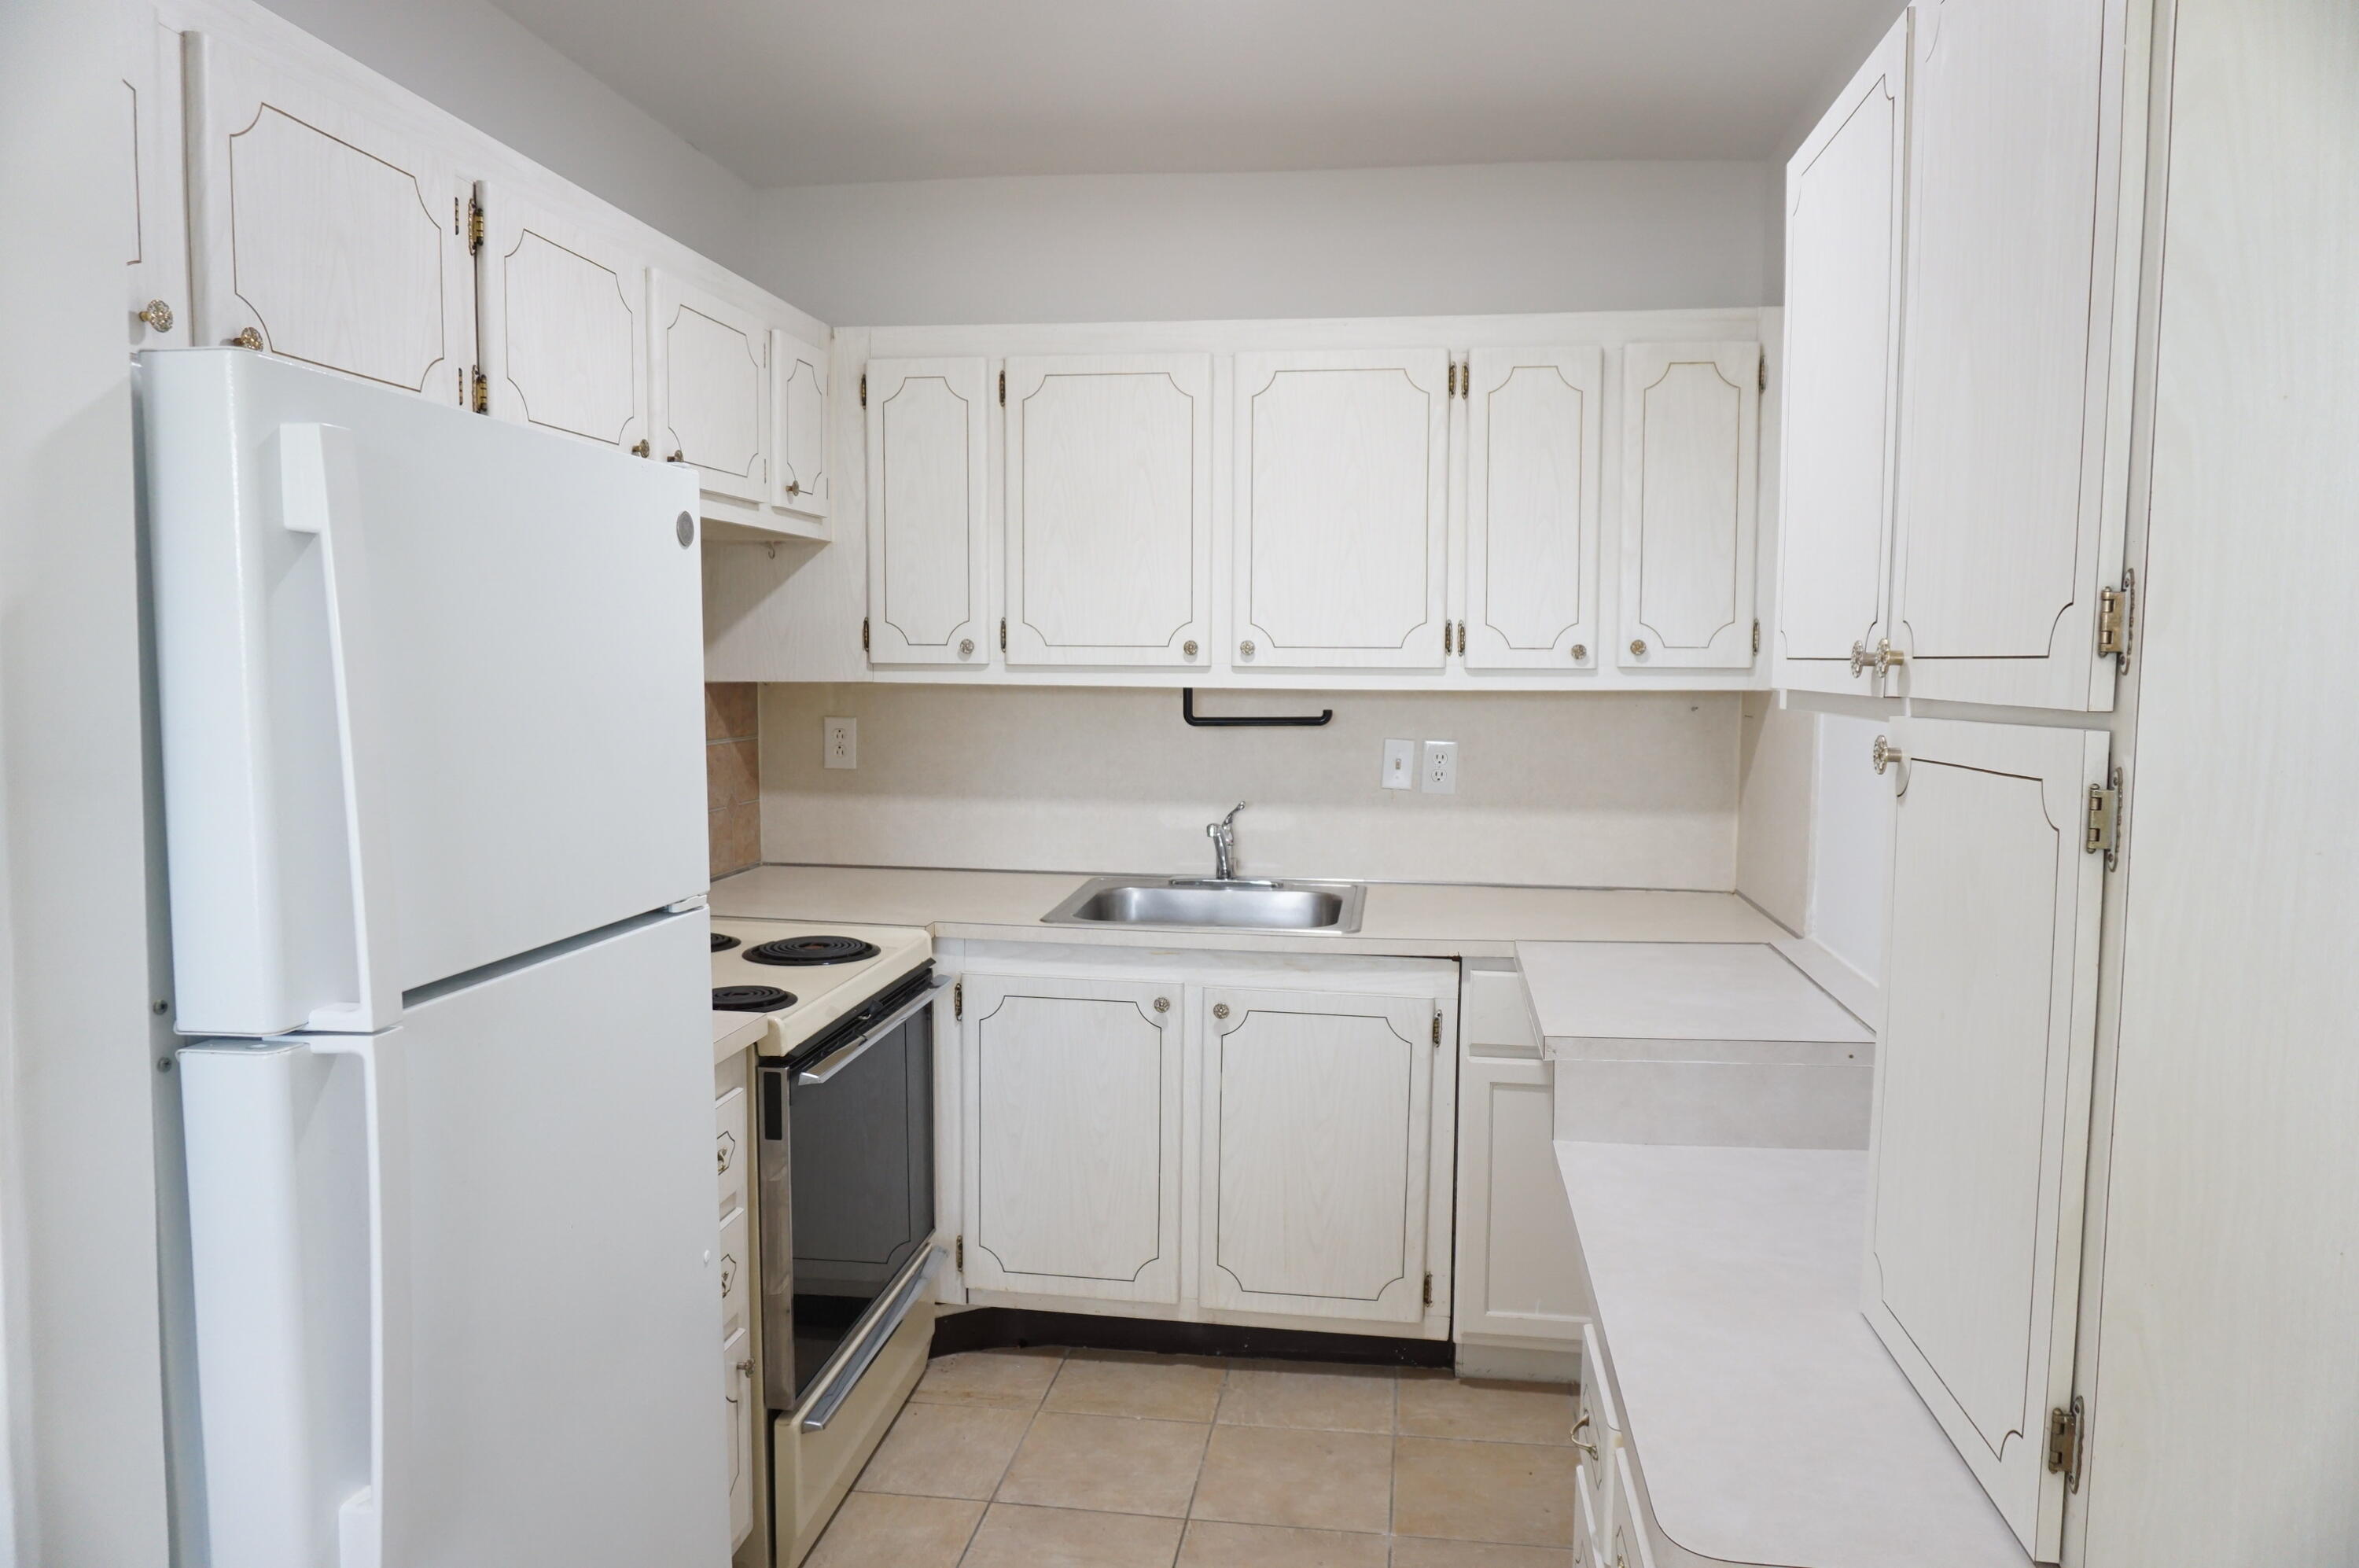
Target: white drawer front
point(732, 1150)
point(736, 1268)
point(1626, 1536)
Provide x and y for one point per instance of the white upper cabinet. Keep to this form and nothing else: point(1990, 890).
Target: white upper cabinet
point(2013, 385)
point(156, 237)
point(1690, 451)
point(564, 312)
point(1983, 1092)
point(799, 393)
point(1070, 1117)
point(927, 512)
point(1340, 511)
point(1110, 510)
point(1319, 1121)
point(324, 231)
point(1843, 232)
point(711, 361)
point(1532, 422)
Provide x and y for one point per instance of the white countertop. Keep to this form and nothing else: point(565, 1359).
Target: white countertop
point(1686, 990)
point(1769, 1423)
point(1412, 919)
point(734, 1032)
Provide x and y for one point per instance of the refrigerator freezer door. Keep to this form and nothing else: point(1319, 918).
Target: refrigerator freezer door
point(431, 688)
point(456, 1297)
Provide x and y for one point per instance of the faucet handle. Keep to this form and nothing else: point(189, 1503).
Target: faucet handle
point(1231, 817)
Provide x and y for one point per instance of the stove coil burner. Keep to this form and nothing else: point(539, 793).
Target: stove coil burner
point(723, 944)
point(797, 950)
point(750, 998)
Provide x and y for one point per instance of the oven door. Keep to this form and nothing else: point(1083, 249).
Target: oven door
point(847, 1204)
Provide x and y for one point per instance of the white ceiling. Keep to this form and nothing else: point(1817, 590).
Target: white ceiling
point(806, 93)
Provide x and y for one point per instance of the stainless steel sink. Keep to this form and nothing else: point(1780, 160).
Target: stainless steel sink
point(1201, 901)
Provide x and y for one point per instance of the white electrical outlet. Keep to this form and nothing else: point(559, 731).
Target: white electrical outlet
point(1400, 764)
point(840, 741)
point(1438, 775)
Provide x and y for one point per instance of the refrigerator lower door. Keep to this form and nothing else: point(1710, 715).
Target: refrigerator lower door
point(431, 688)
point(456, 1295)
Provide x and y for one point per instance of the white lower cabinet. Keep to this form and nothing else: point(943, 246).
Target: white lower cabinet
point(1518, 1273)
point(737, 1378)
point(1628, 1544)
point(1232, 1138)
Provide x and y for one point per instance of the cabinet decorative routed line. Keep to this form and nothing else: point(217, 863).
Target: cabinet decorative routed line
point(1318, 1114)
point(321, 232)
point(1982, 1091)
point(711, 363)
point(1532, 435)
point(799, 397)
point(1110, 509)
point(1843, 230)
point(156, 270)
point(564, 313)
point(1690, 451)
point(1071, 1095)
point(1341, 516)
point(928, 512)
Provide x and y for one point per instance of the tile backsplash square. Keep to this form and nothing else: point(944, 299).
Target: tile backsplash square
point(733, 778)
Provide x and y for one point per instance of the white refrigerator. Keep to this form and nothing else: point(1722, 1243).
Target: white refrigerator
point(429, 693)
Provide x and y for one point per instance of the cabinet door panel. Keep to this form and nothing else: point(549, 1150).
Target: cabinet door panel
point(2009, 519)
point(799, 390)
point(1072, 1092)
point(320, 224)
point(712, 368)
point(1318, 1112)
point(736, 1358)
point(1531, 507)
point(156, 243)
point(1982, 1097)
point(927, 512)
point(1517, 1257)
point(1341, 509)
point(564, 322)
point(1109, 510)
point(1691, 427)
point(1843, 210)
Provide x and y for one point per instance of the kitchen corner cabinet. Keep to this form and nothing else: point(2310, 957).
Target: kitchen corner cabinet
point(1532, 423)
point(1519, 1275)
point(710, 358)
point(1317, 1123)
point(1109, 521)
point(156, 242)
point(323, 230)
point(799, 398)
point(1844, 216)
point(928, 513)
point(1690, 451)
point(1342, 463)
point(1071, 1100)
point(1981, 1113)
point(564, 314)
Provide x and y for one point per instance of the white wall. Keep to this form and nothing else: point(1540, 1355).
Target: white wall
point(1777, 754)
point(1589, 789)
point(478, 63)
point(1851, 844)
point(1471, 239)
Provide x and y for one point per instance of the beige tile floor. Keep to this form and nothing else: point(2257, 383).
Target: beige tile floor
point(1105, 1459)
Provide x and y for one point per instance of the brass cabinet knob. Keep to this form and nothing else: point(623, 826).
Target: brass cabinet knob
point(1861, 659)
point(1245, 650)
point(249, 337)
point(643, 449)
point(1219, 1010)
point(745, 1367)
point(1887, 655)
point(966, 648)
point(157, 315)
point(794, 486)
point(1638, 647)
point(1187, 649)
point(1162, 1004)
point(1883, 754)
point(1579, 653)
point(677, 455)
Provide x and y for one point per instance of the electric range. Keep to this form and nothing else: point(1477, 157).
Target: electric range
point(803, 977)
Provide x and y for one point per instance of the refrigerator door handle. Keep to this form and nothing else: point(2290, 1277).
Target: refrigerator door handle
point(320, 493)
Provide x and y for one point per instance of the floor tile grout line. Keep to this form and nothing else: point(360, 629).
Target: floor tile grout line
point(993, 1498)
point(1188, 1515)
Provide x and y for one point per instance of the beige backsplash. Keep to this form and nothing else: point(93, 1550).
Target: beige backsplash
point(1586, 789)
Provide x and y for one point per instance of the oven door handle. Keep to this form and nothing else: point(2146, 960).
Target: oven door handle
point(880, 1327)
point(836, 1061)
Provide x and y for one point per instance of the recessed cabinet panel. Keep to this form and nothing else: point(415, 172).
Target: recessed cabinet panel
point(323, 232)
point(1109, 510)
point(1843, 210)
point(1340, 511)
point(1072, 1092)
point(1518, 1269)
point(1532, 421)
point(711, 367)
point(1318, 1112)
point(1982, 1085)
point(1691, 424)
point(799, 391)
point(927, 512)
point(156, 240)
point(2009, 520)
point(564, 322)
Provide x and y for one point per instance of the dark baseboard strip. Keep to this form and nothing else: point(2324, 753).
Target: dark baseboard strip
point(1003, 1328)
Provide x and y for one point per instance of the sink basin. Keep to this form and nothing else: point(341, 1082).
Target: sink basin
point(1230, 906)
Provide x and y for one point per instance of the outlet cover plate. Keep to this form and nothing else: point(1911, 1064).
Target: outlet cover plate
point(840, 741)
point(1437, 774)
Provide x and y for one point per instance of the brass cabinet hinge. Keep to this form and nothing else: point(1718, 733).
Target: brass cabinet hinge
point(2064, 1439)
point(1003, 389)
point(454, 214)
point(961, 1251)
point(474, 226)
point(957, 999)
point(864, 389)
point(863, 634)
point(483, 403)
point(1002, 634)
point(2117, 620)
point(1437, 1025)
point(1429, 1288)
point(1756, 634)
point(2105, 829)
point(1762, 383)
